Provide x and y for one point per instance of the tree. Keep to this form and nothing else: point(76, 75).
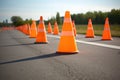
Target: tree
point(17, 20)
point(58, 19)
point(98, 17)
point(28, 21)
point(114, 16)
point(52, 20)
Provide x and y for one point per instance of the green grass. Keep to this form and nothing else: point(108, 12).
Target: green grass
point(98, 29)
point(81, 29)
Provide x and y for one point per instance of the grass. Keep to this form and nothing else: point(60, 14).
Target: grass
point(98, 29)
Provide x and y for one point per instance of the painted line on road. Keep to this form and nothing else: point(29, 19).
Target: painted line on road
point(99, 44)
point(91, 43)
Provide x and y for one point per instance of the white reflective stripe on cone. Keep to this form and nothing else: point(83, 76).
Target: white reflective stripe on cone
point(67, 33)
point(67, 20)
point(41, 30)
point(107, 29)
point(90, 23)
point(90, 28)
point(107, 22)
point(41, 22)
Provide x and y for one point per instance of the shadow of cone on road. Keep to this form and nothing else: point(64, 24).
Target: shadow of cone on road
point(90, 31)
point(33, 30)
point(41, 36)
point(67, 44)
point(106, 32)
point(31, 58)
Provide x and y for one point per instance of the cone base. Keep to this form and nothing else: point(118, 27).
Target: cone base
point(32, 37)
point(49, 33)
point(89, 37)
point(40, 42)
point(106, 39)
point(66, 52)
point(55, 34)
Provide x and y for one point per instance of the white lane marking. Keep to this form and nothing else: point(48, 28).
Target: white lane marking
point(99, 44)
point(91, 43)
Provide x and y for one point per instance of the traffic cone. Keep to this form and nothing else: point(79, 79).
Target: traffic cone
point(90, 31)
point(67, 44)
point(22, 29)
point(41, 36)
point(49, 28)
point(33, 30)
point(74, 28)
point(56, 30)
point(29, 31)
point(25, 29)
point(106, 32)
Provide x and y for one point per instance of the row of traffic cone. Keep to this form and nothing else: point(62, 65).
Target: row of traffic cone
point(24, 28)
point(6, 28)
point(56, 30)
point(67, 43)
point(106, 32)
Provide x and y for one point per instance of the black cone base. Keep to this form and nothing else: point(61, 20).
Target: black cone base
point(41, 43)
point(67, 53)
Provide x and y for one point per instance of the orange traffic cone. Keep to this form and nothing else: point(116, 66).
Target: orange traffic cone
point(90, 31)
point(33, 30)
point(41, 36)
point(74, 28)
point(22, 29)
point(29, 31)
point(67, 44)
point(25, 29)
point(56, 30)
point(49, 28)
point(106, 33)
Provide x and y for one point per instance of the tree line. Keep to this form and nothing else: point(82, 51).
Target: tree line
point(97, 17)
point(17, 21)
point(80, 18)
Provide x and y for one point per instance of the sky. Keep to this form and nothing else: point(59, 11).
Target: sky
point(33, 9)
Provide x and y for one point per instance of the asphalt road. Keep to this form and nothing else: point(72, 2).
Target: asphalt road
point(21, 59)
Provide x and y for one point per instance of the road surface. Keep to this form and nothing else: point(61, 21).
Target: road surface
point(21, 59)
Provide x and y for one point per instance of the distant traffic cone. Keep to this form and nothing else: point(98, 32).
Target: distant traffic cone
point(106, 33)
point(33, 29)
point(29, 31)
point(74, 28)
point(25, 29)
point(67, 44)
point(41, 36)
point(49, 28)
point(56, 30)
point(90, 31)
point(22, 29)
